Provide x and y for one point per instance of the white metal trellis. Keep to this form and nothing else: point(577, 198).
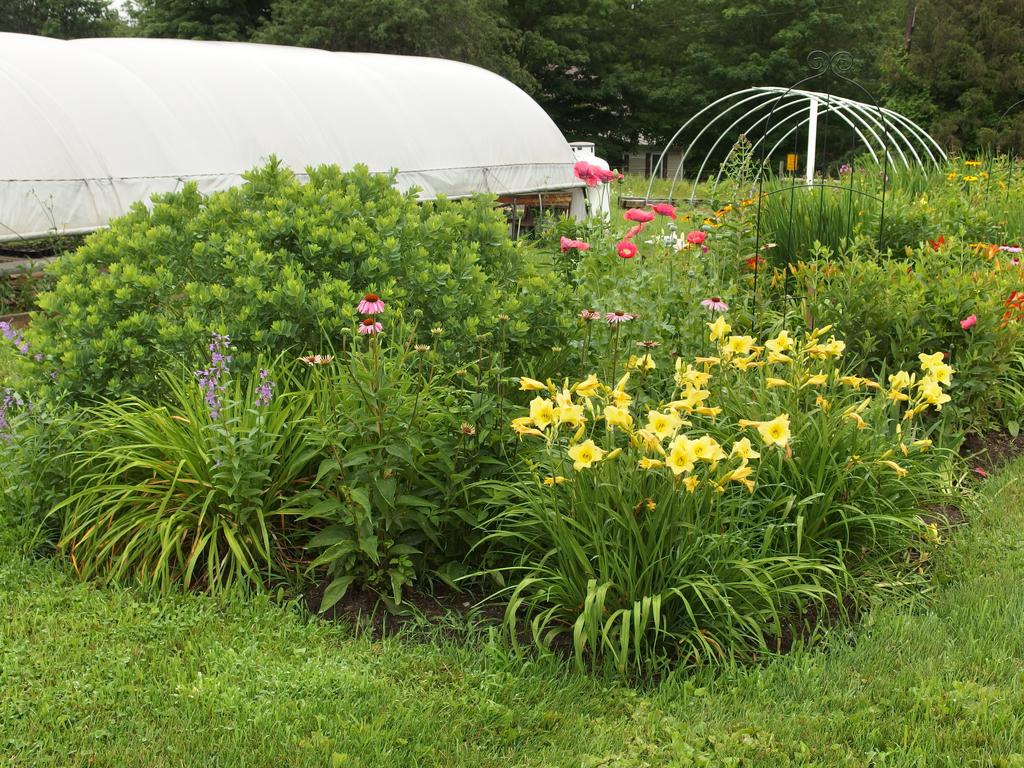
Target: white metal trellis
point(881, 130)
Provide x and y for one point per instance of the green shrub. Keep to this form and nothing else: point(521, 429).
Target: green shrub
point(279, 265)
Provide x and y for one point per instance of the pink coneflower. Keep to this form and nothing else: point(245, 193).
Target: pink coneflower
point(317, 359)
point(568, 244)
point(1010, 248)
point(665, 209)
point(626, 249)
point(696, 237)
point(590, 314)
point(369, 326)
point(968, 322)
point(370, 305)
point(1015, 262)
point(715, 304)
point(638, 215)
point(614, 318)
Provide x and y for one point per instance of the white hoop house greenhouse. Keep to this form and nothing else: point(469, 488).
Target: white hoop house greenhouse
point(92, 126)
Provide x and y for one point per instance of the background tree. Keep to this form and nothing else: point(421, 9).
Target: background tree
point(965, 66)
point(198, 19)
point(474, 31)
point(59, 18)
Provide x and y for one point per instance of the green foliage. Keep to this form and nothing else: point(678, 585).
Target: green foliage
point(279, 265)
point(198, 20)
point(965, 68)
point(400, 439)
point(170, 495)
point(474, 31)
point(933, 291)
point(65, 19)
point(648, 555)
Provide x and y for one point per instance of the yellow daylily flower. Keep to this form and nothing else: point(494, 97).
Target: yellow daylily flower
point(571, 414)
point(707, 449)
point(650, 442)
point(744, 450)
point(740, 475)
point(739, 345)
point(708, 411)
point(618, 417)
point(781, 343)
point(822, 403)
point(585, 454)
point(646, 463)
point(524, 426)
point(555, 480)
point(932, 394)
point(708, 362)
point(900, 471)
point(589, 387)
point(930, 361)
point(816, 380)
point(664, 425)
point(923, 444)
point(690, 482)
point(719, 329)
point(774, 432)
point(526, 384)
point(542, 412)
point(773, 383)
point(680, 455)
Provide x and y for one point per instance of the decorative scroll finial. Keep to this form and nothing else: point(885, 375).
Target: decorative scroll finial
point(838, 63)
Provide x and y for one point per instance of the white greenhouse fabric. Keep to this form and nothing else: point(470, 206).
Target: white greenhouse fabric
point(91, 126)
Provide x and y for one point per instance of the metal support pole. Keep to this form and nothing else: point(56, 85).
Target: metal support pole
point(812, 138)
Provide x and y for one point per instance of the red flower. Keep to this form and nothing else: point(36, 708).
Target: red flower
point(968, 322)
point(665, 209)
point(585, 172)
point(697, 237)
point(754, 262)
point(568, 244)
point(626, 249)
point(980, 472)
point(936, 244)
point(633, 232)
point(639, 215)
point(602, 175)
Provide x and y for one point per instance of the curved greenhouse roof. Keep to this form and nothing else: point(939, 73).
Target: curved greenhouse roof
point(92, 126)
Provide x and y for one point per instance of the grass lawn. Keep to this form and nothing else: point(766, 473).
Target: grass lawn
point(98, 677)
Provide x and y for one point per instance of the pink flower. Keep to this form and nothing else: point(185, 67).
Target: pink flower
point(568, 244)
point(585, 172)
point(369, 326)
point(715, 304)
point(590, 314)
point(968, 322)
point(1015, 262)
point(602, 175)
point(696, 237)
point(633, 232)
point(639, 215)
point(665, 209)
point(1010, 248)
point(626, 249)
point(370, 305)
point(614, 318)
point(980, 472)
